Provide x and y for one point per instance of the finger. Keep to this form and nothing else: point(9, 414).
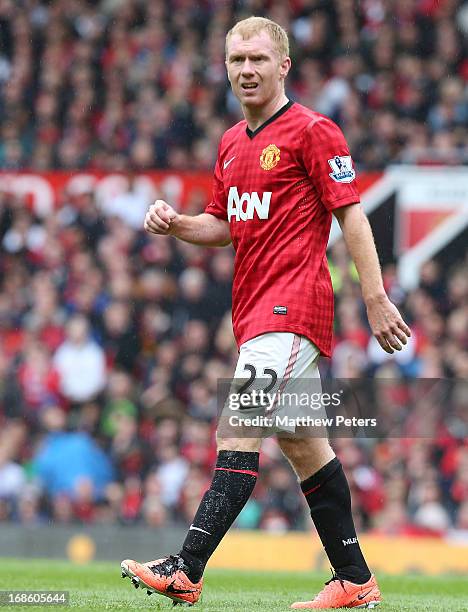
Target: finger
point(383, 343)
point(402, 325)
point(162, 207)
point(149, 229)
point(155, 209)
point(152, 228)
point(164, 216)
point(392, 341)
point(399, 334)
point(156, 220)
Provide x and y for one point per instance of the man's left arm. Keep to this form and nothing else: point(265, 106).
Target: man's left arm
point(384, 319)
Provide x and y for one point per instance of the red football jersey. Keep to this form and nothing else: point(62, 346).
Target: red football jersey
point(276, 186)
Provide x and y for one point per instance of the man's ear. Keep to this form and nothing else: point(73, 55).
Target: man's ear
point(285, 67)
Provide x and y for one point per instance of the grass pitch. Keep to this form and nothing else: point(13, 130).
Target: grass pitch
point(98, 586)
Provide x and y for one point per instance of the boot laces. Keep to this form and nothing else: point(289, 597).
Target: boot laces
point(334, 578)
point(169, 566)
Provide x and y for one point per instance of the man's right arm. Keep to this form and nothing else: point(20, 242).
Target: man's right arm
point(203, 229)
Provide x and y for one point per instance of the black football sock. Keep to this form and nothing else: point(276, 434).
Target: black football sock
point(233, 482)
point(329, 499)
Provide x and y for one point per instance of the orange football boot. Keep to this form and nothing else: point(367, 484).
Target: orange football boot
point(164, 576)
point(340, 593)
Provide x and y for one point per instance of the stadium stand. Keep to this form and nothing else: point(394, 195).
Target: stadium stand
point(114, 84)
point(154, 336)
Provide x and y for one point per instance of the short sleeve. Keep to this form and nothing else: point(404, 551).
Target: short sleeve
point(217, 206)
point(328, 162)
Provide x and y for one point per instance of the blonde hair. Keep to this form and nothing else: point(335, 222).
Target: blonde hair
point(254, 25)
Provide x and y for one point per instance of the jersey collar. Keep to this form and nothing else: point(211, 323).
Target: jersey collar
point(278, 113)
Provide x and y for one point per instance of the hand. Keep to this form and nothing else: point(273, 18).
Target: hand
point(160, 218)
point(387, 324)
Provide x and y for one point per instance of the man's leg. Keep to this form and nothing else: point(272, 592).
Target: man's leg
point(326, 490)
point(278, 354)
point(180, 576)
point(233, 481)
point(238, 448)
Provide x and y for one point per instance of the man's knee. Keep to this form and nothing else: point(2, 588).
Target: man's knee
point(295, 445)
point(251, 445)
point(306, 455)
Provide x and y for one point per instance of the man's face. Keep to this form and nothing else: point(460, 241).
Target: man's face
point(255, 70)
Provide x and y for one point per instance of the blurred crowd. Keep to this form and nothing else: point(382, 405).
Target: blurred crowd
point(114, 84)
point(111, 345)
point(112, 342)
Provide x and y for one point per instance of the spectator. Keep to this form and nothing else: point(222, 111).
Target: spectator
point(71, 463)
point(131, 206)
point(39, 381)
point(171, 472)
point(80, 363)
point(119, 336)
point(12, 473)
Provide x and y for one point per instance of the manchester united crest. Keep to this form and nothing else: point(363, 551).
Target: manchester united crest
point(270, 157)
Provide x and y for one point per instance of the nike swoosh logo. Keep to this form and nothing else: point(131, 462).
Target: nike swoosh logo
point(362, 595)
point(226, 163)
point(170, 589)
point(192, 528)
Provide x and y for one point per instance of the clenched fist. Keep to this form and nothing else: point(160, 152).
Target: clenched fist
point(160, 218)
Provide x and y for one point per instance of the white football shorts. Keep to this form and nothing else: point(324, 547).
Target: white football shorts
point(276, 381)
point(288, 354)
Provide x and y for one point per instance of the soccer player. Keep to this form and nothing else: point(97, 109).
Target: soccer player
point(279, 176)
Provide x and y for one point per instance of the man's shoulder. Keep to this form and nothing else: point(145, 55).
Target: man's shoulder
point(307, 117)
point(233, 132)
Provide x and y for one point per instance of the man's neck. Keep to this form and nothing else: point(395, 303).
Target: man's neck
point(256, 117)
